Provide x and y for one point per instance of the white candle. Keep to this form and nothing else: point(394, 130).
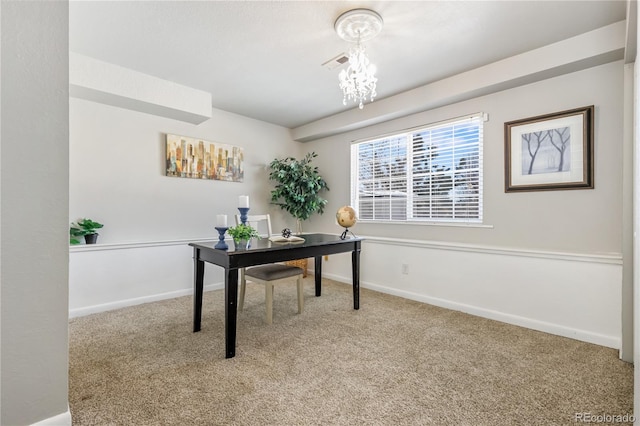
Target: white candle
point(243, 201)
point(221, 221)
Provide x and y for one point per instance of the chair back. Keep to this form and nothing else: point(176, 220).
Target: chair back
point(260, 222)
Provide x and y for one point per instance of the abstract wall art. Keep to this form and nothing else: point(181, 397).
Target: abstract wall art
point(200, 159)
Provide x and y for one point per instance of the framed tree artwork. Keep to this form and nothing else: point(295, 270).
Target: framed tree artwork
point(550, 152)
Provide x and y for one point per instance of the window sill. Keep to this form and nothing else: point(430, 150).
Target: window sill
point(425, 223)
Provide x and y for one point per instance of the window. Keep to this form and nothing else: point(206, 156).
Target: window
point(430, 174)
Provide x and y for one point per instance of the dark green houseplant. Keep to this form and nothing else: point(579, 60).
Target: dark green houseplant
point(86, 228)
point(298, 187)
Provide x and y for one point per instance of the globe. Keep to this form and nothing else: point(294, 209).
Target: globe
point(346, 216)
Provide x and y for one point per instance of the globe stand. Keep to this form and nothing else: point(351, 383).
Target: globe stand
point(344, 234)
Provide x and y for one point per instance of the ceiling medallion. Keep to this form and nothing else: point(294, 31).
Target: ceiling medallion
point(358, 82)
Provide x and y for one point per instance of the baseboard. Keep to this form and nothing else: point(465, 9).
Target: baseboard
point(63, 419)
point(582, 335)
point(80, 312)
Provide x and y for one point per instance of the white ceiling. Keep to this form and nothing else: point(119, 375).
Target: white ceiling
point(262, 59)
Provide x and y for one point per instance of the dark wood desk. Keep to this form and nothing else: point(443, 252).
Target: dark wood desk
point(264, 251)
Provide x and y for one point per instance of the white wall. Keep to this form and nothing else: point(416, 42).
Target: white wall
point(117, 177)
point(34, 205)
point(567, 294)
point(626, 351)
point(111, 276)
point(633, 16)
point(117, 167)
point(550, 232)
point(586, 221)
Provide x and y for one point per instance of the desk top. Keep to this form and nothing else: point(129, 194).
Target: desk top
point(263, 251)
point(264, 244)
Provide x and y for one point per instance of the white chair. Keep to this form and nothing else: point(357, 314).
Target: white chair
point(270, 274)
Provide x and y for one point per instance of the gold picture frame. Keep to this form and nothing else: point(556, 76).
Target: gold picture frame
point(199, 159)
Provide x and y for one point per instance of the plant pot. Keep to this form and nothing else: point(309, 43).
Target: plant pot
point(91, 238)
point(242, 244)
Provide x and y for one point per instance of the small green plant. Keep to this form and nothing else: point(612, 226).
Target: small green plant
point(82, 227)
point(242, 232)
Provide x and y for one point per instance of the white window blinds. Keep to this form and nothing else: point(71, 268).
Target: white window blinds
point(433, 173)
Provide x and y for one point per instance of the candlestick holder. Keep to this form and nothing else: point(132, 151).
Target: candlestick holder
point(243, 214)
point(222, 245)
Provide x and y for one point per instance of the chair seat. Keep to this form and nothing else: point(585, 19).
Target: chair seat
point(273, 272)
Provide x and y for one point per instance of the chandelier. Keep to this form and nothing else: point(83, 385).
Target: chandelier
point(358, 81)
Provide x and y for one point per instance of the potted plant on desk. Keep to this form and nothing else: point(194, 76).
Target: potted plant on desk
point(84, 228)
point(242, 235)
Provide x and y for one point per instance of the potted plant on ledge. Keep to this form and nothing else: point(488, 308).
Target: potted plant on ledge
point(242, 235)
point(84, 228)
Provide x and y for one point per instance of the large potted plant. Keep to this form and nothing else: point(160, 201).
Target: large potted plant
point(298, 187)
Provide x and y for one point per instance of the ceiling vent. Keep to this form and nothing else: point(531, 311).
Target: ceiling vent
point(336, 62)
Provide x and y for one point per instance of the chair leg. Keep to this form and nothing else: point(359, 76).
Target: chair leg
point(300, 294)
point(268, 293)
point(243, 287)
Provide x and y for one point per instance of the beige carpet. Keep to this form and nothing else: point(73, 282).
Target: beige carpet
point(393, 362)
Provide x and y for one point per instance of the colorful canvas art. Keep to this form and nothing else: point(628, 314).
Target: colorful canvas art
point(200, 159)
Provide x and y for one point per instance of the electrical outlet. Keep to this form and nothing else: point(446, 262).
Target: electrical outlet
point(405, 269)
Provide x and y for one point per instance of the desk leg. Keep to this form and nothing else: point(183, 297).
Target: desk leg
point(230, 311)
point(198, 277)
point(355, 272)
point(318, 274)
